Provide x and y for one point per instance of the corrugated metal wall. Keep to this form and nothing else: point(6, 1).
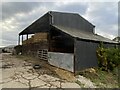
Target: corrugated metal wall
point(85, 54)
point(62, 60)
point(72, 21)
point(40, 25)
point(107, 45)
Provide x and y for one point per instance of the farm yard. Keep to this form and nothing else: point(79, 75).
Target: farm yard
point(60, 45)
point(18, 72)
point(61, 53)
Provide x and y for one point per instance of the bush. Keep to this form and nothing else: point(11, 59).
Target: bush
point(108, 58)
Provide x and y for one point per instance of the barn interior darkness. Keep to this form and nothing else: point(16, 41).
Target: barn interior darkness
point(60, 42)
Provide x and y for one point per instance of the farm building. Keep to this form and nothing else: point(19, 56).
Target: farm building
point(64, 40)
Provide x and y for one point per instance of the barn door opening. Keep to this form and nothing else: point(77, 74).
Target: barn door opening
point(43, 54)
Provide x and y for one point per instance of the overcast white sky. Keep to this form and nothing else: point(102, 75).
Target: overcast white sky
point(18, 15)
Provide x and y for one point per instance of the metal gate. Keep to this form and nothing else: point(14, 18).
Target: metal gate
point(43, 54)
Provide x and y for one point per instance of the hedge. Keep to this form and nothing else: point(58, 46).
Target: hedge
point(108, 58)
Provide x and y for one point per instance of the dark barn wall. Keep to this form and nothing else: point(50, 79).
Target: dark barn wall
point(74, 21)
point(60, 42)
point(40, 25)
point(109, 45)
point(85, 55)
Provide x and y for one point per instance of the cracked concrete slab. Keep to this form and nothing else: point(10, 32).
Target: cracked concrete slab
point(14, 84)
point(7, 73)
point(48, 78)
point(22, 75)
point(43, 88)
point(29, 76)
point(0, 79)
point(22, 80)
point(70, 85)
point(37, 83)
point(56, 84)
point(86, 82)
point(0, 75)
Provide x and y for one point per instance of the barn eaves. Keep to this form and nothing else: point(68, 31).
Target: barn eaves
point(70, 26)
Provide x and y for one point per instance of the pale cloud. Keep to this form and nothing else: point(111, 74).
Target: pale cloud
point(104, 16)
point(13, 8)
point(74, 7)
point(119, 19)
point(66, 1)
point(17, 16)
point(9, 25)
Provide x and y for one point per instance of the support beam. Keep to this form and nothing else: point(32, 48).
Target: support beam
point(27, 36)
point(19, 40)
point(22, 39)
point(49, 41)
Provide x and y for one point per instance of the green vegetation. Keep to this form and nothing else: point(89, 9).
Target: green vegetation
point(109, 61)
point(102, 79)
point(107, 75)
point(108, 58)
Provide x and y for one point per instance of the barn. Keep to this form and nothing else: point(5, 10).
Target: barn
point(64, 40)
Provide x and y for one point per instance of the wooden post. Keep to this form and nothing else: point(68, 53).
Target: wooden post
point(74, 57)
point(27, 36)
point(49, 41)
point(22, 39)
point(19, 40)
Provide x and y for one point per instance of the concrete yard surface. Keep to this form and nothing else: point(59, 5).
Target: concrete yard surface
point(19, 73)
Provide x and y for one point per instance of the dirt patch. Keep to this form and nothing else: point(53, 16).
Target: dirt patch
point(46, 68)
point(23, 75)
point(63, 74)
point(101, 78)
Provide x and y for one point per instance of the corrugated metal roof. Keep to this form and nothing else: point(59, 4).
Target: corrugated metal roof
point(73, 20)
point(83, 35)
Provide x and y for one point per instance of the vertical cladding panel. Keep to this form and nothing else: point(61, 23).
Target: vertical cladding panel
point(42, 24)
point(107, 45)
point(85, 55)
point(72, 21)
point(61, 60)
